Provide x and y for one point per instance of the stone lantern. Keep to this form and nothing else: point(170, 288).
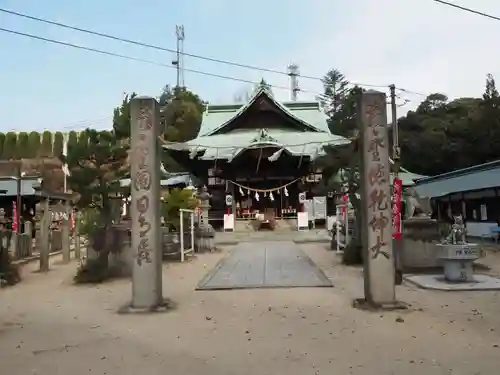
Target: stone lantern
point(205, 233)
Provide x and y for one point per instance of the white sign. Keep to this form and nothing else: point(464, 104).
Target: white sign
point(229, 222)
point(319, 207)
point(229, 200)
point(302, 221)
point(302, 197)
point(484, 212)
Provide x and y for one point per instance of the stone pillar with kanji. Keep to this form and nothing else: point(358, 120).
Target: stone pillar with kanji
point(376, 200)
point(145, 207)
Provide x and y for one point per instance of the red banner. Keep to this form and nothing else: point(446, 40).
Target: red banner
point(14, 218)
point(397, 205)
point(345, 198)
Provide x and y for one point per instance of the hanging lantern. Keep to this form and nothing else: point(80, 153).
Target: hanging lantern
point(248, 191)
point(265, 194)
point(256, 196)
point(286, 192)
point(241, 191)
point(271, 196)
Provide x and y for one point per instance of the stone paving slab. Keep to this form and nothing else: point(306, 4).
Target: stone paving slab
point(437, 282)
point(265, 265)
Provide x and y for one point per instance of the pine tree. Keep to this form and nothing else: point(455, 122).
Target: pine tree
point(33, 144)
point(46, 146)
point(22, 147)
point(9, 147)
point(58, 144)
point(97, 164)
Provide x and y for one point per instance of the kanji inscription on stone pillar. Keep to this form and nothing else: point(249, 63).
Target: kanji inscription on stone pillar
point(145, 206)
point(376, 200)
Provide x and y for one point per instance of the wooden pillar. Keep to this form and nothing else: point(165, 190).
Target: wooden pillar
point(65, 232)
point(281, 199)
point(44, 219)
point(76, 235)
point(232, 190)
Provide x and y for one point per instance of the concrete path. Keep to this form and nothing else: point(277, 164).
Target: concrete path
point(265, 265)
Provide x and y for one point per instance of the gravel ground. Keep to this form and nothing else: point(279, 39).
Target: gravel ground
point(49, 326)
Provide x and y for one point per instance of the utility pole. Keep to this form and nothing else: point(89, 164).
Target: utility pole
point(396, 154)
point(293, 73)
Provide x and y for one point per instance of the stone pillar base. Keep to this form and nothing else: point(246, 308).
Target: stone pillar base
point(364, 304)
point(163, 307)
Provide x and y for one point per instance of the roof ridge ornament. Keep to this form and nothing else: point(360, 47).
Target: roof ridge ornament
point(264, 137)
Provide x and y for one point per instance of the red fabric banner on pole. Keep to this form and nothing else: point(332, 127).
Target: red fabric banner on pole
point(397, 202)
point(14, 218)
point(346, 201)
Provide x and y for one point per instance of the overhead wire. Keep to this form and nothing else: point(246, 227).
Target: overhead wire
point(469, 10)
point(160, 48)
point(137, 59)
point(76, 125)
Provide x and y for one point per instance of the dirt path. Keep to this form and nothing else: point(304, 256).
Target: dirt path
point(48, 326)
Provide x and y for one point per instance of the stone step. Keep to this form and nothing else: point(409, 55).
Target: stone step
point(281, 225)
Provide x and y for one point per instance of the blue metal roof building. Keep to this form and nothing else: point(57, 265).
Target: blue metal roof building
point(473, 192)
point(478, 177)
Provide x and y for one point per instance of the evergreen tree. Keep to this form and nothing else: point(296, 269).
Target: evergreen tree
point(83, 139)
point(72, 140)
point(33, 144)
point(57, 148)
point(9, 147)
point(2, 142)
point(22, 147)
point(97, 164)
point(46, 146)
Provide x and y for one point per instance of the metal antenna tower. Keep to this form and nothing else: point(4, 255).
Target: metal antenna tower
point(293, 73)
point(178, 62)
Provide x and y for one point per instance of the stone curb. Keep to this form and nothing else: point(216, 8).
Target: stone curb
point(33, 258)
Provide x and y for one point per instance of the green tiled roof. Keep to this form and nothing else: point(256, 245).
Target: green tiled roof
point(308, 142)
point(309, 114)
point(228, 146)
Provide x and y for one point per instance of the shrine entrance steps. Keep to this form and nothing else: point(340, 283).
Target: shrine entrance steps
point(289, 234)
point(268, 264)
point(281, 225)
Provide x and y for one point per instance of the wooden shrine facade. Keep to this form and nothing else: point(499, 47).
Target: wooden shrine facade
point(261, 154)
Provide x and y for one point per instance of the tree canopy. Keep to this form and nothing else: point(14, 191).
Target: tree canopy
point(443, 135)
point(97, 163)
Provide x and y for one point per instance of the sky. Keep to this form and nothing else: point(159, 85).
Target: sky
point(418, 45)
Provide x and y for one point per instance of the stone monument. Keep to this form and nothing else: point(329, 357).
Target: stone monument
point(379, 264)
point(145, 207)
point(43, 219)
point(205, 233)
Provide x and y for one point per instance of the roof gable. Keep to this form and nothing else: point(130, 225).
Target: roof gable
point(307, 114)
